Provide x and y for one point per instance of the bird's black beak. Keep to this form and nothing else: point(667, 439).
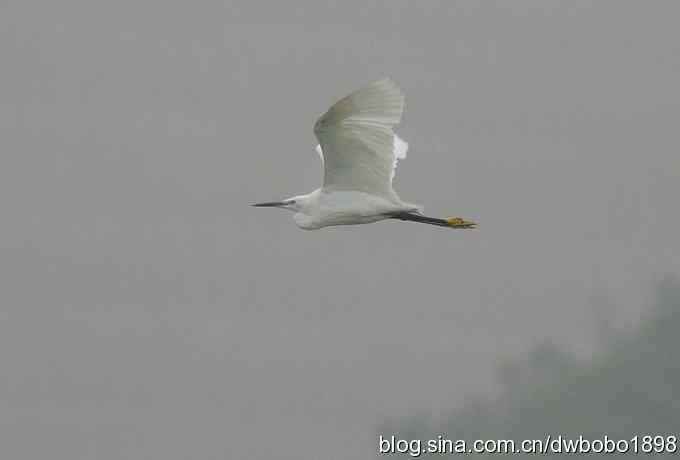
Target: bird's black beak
point(269, 204)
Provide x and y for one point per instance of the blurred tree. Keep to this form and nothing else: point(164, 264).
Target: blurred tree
point(633, 388)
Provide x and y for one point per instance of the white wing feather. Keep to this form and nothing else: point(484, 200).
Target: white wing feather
point(400, 149)
point(357, 144)
point(320, 152)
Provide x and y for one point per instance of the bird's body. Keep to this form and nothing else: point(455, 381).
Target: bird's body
point(323, 208)
point(359, 151)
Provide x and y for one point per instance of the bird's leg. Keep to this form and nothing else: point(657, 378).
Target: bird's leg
point(451, 222)
point(459, 222)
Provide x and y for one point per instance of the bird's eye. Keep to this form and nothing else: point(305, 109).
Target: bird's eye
point(291, 202)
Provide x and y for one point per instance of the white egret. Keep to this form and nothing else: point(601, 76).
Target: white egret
point(359, 152)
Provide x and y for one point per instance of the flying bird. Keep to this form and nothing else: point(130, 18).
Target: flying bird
point(359, 151)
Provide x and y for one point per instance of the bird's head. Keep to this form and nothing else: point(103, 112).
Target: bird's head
point(294, 203)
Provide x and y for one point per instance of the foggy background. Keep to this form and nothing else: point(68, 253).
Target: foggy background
point(148, 312)
point(625, 398)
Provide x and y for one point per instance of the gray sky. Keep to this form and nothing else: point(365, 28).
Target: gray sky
point(148, 312)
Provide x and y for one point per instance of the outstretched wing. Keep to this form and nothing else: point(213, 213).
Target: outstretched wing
point(359, 148)
point(399, 151)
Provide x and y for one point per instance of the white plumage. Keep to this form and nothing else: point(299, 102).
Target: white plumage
point(399, 150)
point(357, 142)
point(360, 152)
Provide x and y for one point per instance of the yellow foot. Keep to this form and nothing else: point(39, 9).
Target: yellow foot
point(458, 222)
